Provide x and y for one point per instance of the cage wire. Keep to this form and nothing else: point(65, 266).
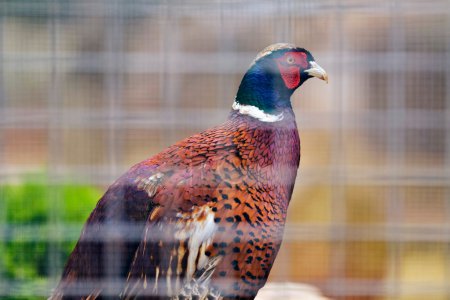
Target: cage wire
point(88, 88)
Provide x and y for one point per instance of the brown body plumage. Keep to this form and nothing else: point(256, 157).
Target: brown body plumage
point(204, 217)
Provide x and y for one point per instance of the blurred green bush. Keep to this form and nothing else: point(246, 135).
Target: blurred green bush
point(40, 222)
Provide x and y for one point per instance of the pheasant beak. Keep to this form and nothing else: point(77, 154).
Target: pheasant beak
point(317, 71)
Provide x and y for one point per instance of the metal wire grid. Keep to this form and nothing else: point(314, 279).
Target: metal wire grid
point(169, 59)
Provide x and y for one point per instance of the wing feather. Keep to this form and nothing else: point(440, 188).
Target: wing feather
point(177, 234)
point(108, 241)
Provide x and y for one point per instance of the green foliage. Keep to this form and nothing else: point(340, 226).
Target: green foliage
point(35, 217)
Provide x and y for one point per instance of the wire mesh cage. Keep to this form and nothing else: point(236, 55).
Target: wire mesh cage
point(88, 88)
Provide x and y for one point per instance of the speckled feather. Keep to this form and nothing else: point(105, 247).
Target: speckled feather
point(243, 170)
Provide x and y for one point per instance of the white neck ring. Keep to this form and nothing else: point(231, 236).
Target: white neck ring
point(256, 113)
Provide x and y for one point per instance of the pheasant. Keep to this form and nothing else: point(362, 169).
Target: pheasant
point(204, 218)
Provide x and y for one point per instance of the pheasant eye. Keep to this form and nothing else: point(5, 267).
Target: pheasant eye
point(290, 60)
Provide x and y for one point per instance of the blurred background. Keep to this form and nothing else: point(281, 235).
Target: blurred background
point(88, 88)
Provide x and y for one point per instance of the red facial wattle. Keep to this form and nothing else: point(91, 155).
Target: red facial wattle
point(290, 72)
point(290, 75)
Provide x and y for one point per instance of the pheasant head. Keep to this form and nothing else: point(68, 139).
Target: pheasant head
point(274, 75)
